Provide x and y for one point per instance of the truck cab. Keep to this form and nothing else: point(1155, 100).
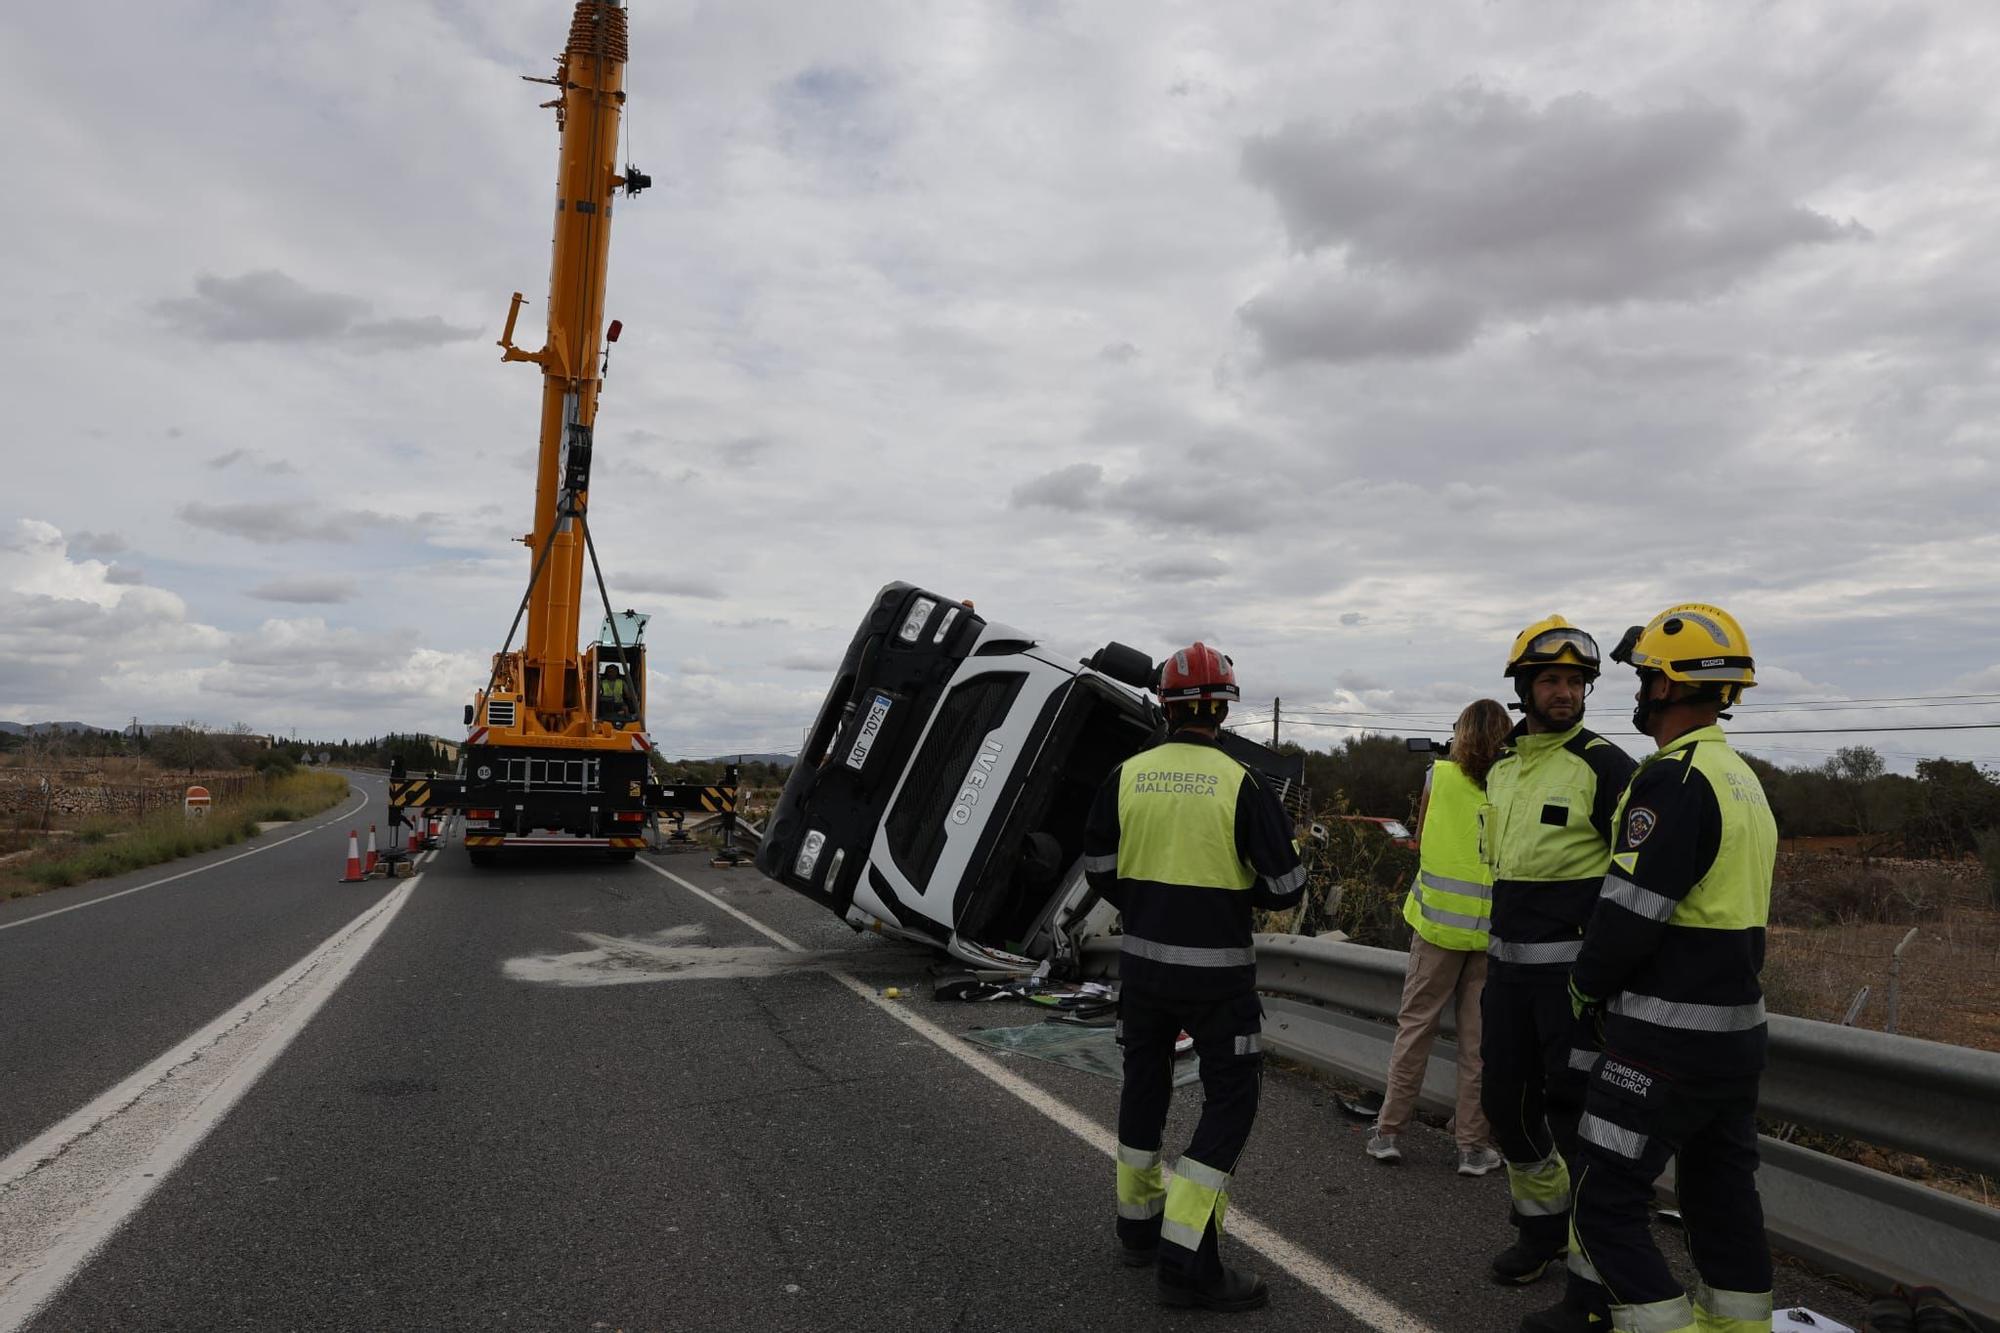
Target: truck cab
point(941, 793)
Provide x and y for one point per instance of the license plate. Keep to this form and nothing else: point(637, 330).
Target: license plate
point(871, 727)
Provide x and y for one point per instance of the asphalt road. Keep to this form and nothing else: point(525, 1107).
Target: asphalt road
point(578, 1096)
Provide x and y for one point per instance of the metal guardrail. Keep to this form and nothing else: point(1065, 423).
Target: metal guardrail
point(1941, 1102)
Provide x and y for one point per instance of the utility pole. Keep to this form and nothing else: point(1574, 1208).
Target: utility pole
point(1276, 705)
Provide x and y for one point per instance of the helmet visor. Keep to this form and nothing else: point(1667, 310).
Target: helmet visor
point(1550, 645)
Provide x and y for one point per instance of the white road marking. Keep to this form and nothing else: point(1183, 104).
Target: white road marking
point(673, 954)
point(1359, 1300)
point(154, 884)
point(67, 1192)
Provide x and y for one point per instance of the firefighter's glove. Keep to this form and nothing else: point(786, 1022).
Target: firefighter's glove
point(1581, 1004)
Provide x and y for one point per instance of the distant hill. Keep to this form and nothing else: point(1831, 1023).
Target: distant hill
point(43, 728)
point(781, 760)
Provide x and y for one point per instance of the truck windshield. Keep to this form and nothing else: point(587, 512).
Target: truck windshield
point(916, 826)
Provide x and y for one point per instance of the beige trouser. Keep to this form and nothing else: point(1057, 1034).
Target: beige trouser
point(1437, 977)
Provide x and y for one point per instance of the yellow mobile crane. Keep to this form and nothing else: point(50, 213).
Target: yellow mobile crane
point(556, 751)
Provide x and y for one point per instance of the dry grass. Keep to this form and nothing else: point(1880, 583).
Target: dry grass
point(1950, 984)
point(104, 845)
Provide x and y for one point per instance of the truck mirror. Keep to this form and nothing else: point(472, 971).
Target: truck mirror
point(468, 715)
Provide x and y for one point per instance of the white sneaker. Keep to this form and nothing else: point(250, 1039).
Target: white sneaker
point(1382, 1147)
point(1477, 1161)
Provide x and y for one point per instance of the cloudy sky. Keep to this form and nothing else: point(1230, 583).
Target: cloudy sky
point(1349, 336)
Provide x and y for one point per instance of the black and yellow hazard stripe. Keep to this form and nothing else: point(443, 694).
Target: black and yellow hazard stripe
point(719, 800)
point(628, 842)
point(408, 792)
point(485, 840)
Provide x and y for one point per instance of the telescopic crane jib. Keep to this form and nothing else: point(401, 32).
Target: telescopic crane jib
point(556, 750)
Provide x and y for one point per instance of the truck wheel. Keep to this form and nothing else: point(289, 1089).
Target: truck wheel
point(617, 854)
point(1124, 664)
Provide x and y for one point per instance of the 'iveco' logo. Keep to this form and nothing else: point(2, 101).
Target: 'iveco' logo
point(976, 779)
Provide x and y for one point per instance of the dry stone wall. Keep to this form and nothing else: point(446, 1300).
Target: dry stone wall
point(67, 793)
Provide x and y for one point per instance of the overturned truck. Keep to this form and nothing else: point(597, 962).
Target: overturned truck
point(941, 793)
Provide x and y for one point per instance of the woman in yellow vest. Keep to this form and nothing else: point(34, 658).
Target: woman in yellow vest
point(1448, 908)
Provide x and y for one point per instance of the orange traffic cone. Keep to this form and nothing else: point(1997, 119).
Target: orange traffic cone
point(369, 867)
point(416, 834)
point(353, 875)
point(434, 831)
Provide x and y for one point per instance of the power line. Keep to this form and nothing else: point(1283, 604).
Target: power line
point(1850, 731)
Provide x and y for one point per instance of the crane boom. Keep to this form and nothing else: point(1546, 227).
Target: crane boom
point(590, 76)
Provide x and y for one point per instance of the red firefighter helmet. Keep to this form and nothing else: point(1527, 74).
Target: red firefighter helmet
point(1197, 672)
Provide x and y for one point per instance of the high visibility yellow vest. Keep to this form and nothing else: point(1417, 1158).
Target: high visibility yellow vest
point(1735, 894)
point(1451, 901)
point(1177, 818)
point(1696, 1002)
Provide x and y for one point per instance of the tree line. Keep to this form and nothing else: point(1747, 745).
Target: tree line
point(1946, 808)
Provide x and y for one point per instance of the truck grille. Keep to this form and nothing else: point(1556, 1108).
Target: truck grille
point(916, 826)
point(529, 774)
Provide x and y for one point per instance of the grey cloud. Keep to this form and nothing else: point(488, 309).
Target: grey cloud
point(97, 543)
point(399, 335)
point(1182, 569)
point(1118, 353)
point(306, 589)
point(833, 111)
point(753, 622)
point(1200, 500)
point(805, 662)
point(276, 523)
point(125, 575)
point(1342, 320)
point(1188, 498)
point(1353, 618)
point(1073, 488)
point(670, 585)
point(1481, 204)
point(221, 461)
point(269, 306)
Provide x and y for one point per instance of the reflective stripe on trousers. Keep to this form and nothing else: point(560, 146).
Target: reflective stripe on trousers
point(1674, 1316)
point(1187, 955)
point(1718, 1311)
point(1540, 1189)
point(1197, 1192)
point(1687, 1015)
point(1612, 1138)
point(1142, 1190)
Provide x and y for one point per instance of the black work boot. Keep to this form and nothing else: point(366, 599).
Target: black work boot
point(1938, 1313)
point(1565, 1318)
point(1137, 1256)
point(1523, 1262)
point(1232, 1291)
point(1891, 1313)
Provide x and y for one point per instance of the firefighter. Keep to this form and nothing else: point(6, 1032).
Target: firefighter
point(1669, 967)
point(1547, 834)
point(1185, 841)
